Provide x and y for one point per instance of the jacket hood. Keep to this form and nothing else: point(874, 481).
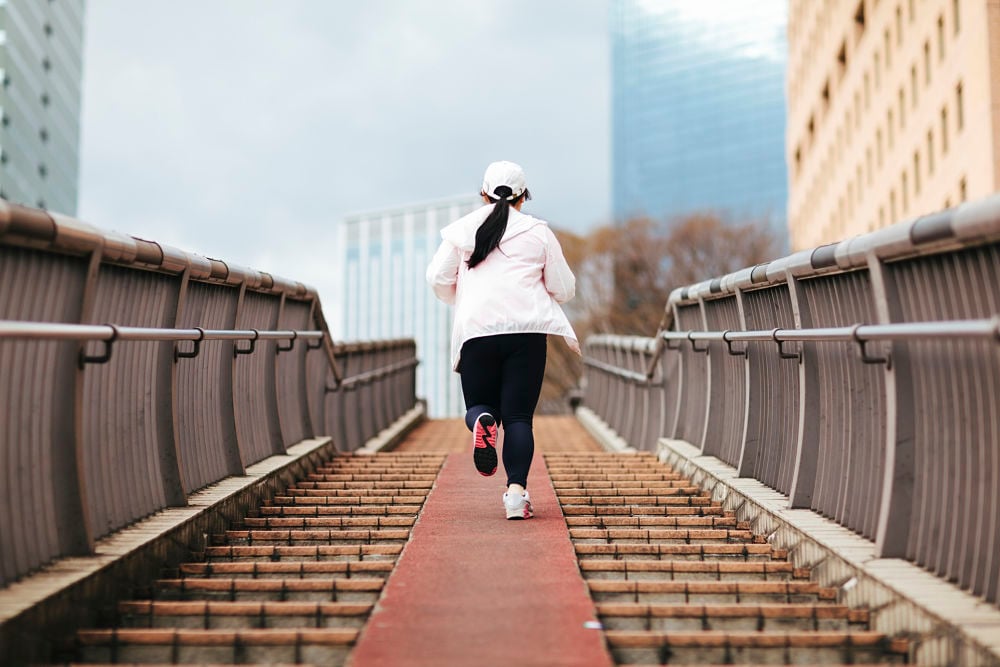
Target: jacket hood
point(462, 232)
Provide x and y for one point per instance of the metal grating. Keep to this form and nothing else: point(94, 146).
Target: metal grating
point(850, 406)
point(773, 411)
point(955, 519)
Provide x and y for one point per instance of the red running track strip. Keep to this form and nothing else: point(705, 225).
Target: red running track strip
point(472, 588)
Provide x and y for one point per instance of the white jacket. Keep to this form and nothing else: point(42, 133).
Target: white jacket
point(516, 289)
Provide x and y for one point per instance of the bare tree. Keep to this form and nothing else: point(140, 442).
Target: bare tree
point(626, 272)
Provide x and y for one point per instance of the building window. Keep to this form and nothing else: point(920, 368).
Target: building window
point(48, 29)
point(40, 203)
point(944, 130)
point(888, 49)
point(46, 64)
point(4, 119)
point(889, 128)
point(878, 70)
point(859, 21)
point(913, 9)
point(913, 86)
point(878, 147)
point(902, 109)
point(954, 15)
point(927, 63)
point(959, 107)
point(860, 184)
point(842, 60)
point(881, 216)
point(868, 91)
point(962, 193)
point(940, 31)
point(43, 170)
point(857, 110)
point(899, 25)
point(916, 174)
point(43, 134)
point(892, 206)
point(45, 99)
point(868, 164)
point(930, 152)
point(904, 193)
point(947, 202)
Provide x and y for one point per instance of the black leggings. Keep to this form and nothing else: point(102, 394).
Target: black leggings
point(502, 375)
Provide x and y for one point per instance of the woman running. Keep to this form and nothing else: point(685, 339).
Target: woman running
point(506, 275)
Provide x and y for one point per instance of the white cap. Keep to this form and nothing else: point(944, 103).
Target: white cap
point(504, 173)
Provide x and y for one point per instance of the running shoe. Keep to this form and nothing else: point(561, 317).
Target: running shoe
point(484, 444)
point(517, 506)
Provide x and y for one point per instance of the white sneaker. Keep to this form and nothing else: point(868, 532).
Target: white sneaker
point(517, 506)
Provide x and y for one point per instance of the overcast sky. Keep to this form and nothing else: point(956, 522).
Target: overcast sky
point(246, 129)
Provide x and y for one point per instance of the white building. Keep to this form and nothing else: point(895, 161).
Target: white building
point(384, 294)
point(41, 66)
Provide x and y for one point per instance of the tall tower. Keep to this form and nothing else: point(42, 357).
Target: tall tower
point(698, 108)
point(41, 66)
point(384, 256)
point(893, 111)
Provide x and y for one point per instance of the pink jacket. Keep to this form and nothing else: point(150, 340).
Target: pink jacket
point(516, 289)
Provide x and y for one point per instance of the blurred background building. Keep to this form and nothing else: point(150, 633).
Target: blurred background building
point(384, 256)
point(698, 108)
point(893, 111)
point(41, 54)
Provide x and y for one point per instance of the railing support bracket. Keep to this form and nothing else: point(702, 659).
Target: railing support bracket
point(178, 354)
point(237, 350)
point(102, 358)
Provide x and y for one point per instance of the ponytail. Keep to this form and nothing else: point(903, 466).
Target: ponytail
point(491, 231)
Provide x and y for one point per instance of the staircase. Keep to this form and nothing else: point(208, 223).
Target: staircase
point(293, 583)
point(676, 579)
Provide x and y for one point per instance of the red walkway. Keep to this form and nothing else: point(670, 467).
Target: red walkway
point(472, 588)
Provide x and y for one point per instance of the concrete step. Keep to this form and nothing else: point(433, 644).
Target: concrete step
point(325, 552)
point(321, 499)
point(388, 492)
point(644, 510)
point(312, 537)
point(732, 618)
point(242, 615)
point(290, 569)
point(744, 552)
point(673, 500)
point(143, 645)
point(393, 477)
point(587, 487)
point(339, 510)
point(749, 647)
point(331, 589)
point(654, 522)
point(710, 592)
point(307, 522)
point(614, 491)
point(660, 535)
point(423, 485)
point(682, 570)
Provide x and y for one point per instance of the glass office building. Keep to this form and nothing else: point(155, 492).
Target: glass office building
point(41, 67)
point(699, 108)
point(385, 256)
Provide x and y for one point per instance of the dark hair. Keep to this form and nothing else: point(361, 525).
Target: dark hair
point(491, 231)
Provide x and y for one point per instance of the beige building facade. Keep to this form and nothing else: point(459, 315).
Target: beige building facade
point(893, 112)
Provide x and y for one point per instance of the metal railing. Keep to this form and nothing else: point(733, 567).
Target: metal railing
point(861, 379)
point(204, 369)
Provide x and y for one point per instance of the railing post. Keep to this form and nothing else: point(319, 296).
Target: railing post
point(807, 447)
point(749, 449)
point(896, 505)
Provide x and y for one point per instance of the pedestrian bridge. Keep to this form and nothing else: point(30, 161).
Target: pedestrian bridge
point(801, 466)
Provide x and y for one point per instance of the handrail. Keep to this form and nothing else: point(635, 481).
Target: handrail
point(13, 329)
point(859, 333)
point(984, 328)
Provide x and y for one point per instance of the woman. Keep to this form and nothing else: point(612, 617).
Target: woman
point(506, 275)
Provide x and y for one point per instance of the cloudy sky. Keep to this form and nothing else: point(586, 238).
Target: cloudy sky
point(246, 129)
